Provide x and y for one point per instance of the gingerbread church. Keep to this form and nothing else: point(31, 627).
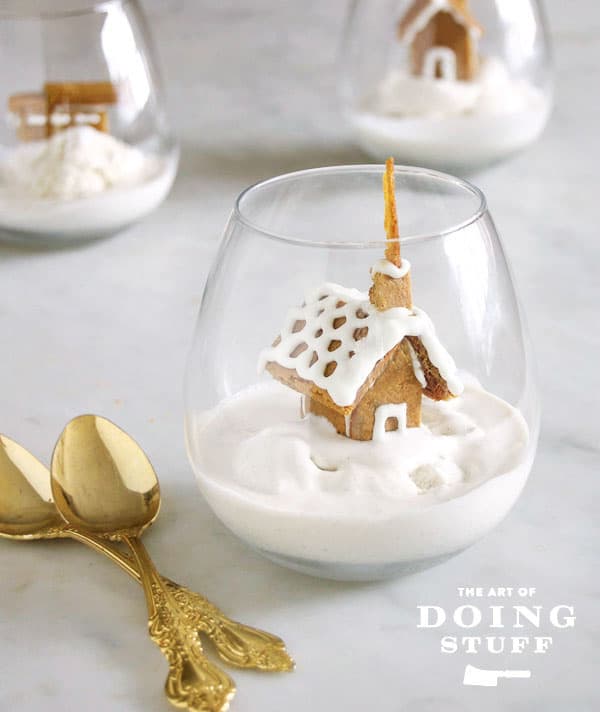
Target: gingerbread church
point(443, 37)
point(363, 361)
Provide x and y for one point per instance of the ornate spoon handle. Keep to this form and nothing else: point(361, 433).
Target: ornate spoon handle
point(193, 681)
point(237, 644)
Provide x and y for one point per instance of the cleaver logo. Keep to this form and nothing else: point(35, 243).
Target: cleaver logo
point(506, 622)
point(489, 678)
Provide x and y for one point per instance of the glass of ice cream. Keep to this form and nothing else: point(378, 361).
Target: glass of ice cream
point(357, 406)
point(85, 148)
point(451, 84)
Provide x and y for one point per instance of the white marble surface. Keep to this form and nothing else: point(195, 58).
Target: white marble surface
point(106, 328)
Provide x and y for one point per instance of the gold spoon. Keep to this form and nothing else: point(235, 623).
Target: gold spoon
point(28, 512)
point(103, 482)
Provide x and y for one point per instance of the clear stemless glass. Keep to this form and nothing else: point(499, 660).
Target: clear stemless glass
point(450, 84)
point(85, 146)
point(284, 481)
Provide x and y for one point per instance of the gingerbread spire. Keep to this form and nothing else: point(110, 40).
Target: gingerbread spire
point(390, 220)
point(391, 276)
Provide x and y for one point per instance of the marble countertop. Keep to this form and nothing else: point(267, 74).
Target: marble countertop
point(106, 328)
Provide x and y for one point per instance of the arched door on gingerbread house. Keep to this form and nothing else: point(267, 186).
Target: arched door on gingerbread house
point(439, 63)
point(445, 48)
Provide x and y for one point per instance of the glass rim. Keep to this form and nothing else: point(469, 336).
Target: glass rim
point(80, 7)
point(357, 168)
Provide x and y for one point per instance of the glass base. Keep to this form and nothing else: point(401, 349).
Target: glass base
point(356, 572)
point(44, 240)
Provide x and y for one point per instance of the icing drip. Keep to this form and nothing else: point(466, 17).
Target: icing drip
point(336, 338)
point(390, 269)
point(347, 423)
point(417, 368)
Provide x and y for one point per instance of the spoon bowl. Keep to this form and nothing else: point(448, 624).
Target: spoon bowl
point(102, 480)
point(26, 507)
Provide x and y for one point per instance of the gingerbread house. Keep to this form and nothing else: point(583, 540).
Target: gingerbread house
point(37, 115)
point(364, 361)
point(443, 37)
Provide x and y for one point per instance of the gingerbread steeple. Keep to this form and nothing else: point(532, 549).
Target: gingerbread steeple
point(391, 276)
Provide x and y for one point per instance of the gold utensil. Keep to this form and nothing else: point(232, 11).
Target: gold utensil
point(103, 482)
point(28, 512)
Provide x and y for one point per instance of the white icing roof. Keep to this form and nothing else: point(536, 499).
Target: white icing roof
point(431, 8)
point(336, 338)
